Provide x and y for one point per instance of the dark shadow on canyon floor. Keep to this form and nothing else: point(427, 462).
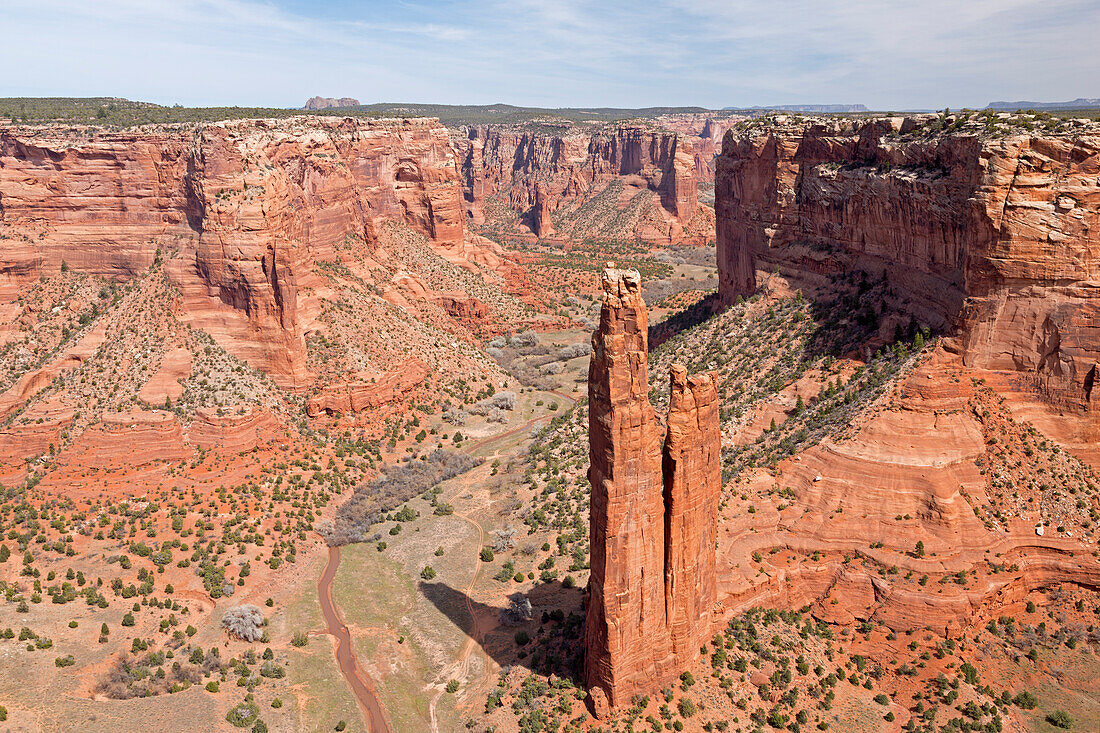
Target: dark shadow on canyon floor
point(554, 633)
point(693, 315)
point(847, 318)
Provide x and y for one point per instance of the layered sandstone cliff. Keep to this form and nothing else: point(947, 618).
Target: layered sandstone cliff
point(536, 171)
point(653, 521)
point(993, 237)
point(238, 211)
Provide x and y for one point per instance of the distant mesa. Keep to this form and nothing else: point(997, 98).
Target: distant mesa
point(1079, 103)
point(330, 103)
point(814, 108)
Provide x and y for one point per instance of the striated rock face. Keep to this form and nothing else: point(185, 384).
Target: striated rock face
point(626, 633)
point(355, 396)
point(238, 211)
point(692, 484)
point(540, 214)
point(993, 238)
point(652, 581)
point(536, 171)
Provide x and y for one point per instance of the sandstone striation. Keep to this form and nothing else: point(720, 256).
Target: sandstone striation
point(653, 520)
point(360, 394)
point(993, 237)
point(692, 485)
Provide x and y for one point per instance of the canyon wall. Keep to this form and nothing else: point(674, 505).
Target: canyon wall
point(536, 170)
point(653, 520)
point(993, 238)
point(238, 211)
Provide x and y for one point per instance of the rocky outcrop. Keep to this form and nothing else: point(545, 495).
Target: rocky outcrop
point(238, 211)
point(992, 237)
point(540, 213)
point(236, 430)
point(536, 170)
point(314, 103)
point(918, 468)
point(652, 527)
point(360, 394)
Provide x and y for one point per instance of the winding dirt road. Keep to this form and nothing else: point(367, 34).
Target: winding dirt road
point(483, 620)
point(360, 683)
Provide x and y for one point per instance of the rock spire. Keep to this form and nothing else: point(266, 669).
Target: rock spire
point(653, 517)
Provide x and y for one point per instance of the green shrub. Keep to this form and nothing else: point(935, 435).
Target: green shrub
point(272, 671)
point(1060, 719)
point(1025, 700)
point(243, 715)
point(452, 686)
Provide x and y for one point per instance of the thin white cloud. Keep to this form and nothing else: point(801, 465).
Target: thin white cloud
point(884, 53)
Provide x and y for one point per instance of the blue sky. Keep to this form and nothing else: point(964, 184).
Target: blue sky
point(887, 54)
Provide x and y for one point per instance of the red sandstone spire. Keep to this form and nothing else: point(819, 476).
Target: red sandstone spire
point(625, 630)
point(692, 482)
point(652, 531)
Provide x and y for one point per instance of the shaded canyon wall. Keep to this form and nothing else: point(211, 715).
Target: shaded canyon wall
point(541, 170)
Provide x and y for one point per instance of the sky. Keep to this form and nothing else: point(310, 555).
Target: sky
point(886, 54)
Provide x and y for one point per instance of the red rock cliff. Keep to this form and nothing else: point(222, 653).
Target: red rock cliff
point(653, 532)
point(237, 209)
point(516, 161)
point(992, 237)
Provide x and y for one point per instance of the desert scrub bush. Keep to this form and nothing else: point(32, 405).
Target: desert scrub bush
point(397, 484)
point(1060, 719)
point(299, 639)
point(272, 670)
point(244, 622)
point(147, 676)
point(243, 715)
